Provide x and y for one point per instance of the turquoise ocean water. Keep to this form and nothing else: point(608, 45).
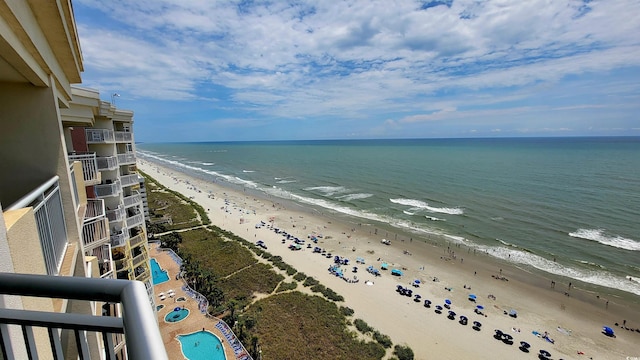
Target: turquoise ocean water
point(567, 206)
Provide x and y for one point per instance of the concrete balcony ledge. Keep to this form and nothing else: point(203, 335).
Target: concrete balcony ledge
point(138, 324)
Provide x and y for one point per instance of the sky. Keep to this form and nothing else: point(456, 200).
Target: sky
point(208, 70)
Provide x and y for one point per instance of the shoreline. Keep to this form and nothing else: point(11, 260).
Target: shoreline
point(456, 267)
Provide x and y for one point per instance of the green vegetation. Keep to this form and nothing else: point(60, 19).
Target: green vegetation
point(362, 326)
point(382, 339)
point(403, 352)
point(286, 324)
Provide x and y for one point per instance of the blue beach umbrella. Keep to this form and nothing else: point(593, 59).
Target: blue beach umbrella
point(480, 307)
point(447, 301)
point(607, 331)
point(472, 296)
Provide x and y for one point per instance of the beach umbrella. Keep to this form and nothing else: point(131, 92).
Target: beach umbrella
point(525, 344)
point(513, 313)
point(545, 353)
point(480, 307)
point(472, 297)
point(447, 301)
point(607, 331)
point(416, 282)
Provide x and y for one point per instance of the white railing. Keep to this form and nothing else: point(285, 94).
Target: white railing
point(107, 162)
point(128, 158)
point(104, 190)
point(135, 220)
point(128, 180)
point(105, 261)
point(89, 166)
point(74, 187)
point(99, 136)
point(123, 136)
point(138, 323)
point(95, 230)
point(131, 200)
point(116, 215)
point(52, 230)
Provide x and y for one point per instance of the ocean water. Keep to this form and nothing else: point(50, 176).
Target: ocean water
point(566, 206)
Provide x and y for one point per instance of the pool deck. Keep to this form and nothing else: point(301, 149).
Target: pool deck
point(196, 321)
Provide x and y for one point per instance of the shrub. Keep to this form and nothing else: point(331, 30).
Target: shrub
point(300, 276)
point(284, 286)
point(346, 311)
point(385, 340)
point(403, 352)
point(362, 326)
point(310, 281)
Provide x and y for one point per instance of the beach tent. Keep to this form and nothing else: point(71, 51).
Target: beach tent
point(384, 266)
point(608, 331)
point(396, 272)
point(513, 314)
point(472, 297)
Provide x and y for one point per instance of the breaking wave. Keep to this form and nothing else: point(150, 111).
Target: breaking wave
point(598, 235)
point(423, 205)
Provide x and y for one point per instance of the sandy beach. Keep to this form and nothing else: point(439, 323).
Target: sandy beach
point(572, 318)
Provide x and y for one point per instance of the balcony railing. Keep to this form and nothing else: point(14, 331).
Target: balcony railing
point(135, 220)
point(124, 136)
point(137, 240)
point(105, 190)
point(89, 166)
point(138, 324)
point(128, 158)
point(116, 215)
point(97, 136)
point(123, 263)
point(107, 162)
point(128, 180)
point(119, 239)
point(47, 209)
point(140, 259)
point(95, 227)
point(131, 200)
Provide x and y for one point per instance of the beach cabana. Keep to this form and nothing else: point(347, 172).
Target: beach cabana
point(472, 297)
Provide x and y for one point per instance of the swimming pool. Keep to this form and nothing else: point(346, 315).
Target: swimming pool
point(178, 314)
point(201, 345)
point(159, 275)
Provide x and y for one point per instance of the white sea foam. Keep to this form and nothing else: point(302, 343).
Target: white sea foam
point(423, 205)
point(207, 163)
point(434, 218)
point(285, 181)
point(327, 190)
point(351, 197)
point(595, 277)
point(610, 240)
point(408, 212)
point(248, 171)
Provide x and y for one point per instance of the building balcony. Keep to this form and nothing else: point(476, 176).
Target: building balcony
point(116, 215)
point(119, 239)
point(123, 264)
point(141, 258)
point(137, 326)
point(46, 202)
point(123, 136)
point(142, 274)
point(95, 229)
point(107, 163)
point(133, 199)
point(99, 136)
point(137, 240)
point(89, 167)
point(106, 190)
point(135, 220)
point(127, 159)
point(129, 180)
